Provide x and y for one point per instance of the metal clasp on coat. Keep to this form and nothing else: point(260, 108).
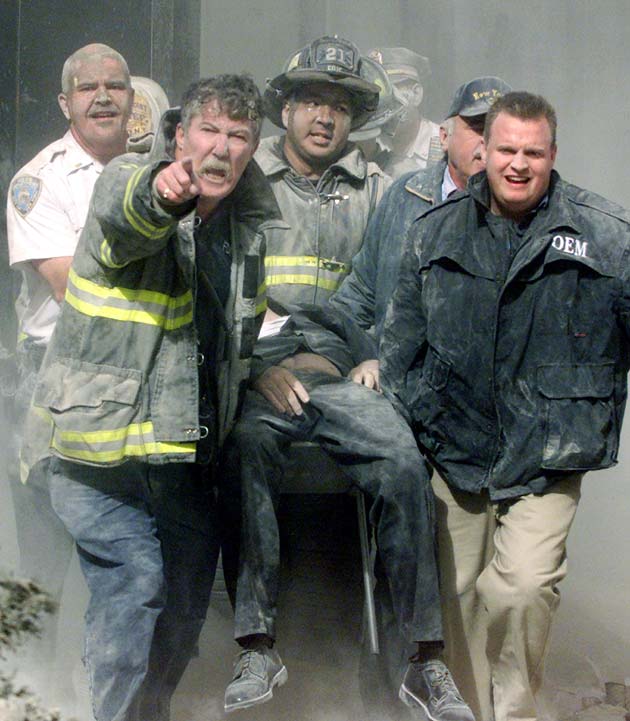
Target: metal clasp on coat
point(336, 197)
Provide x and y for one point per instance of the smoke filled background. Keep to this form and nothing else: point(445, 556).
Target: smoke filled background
point(574, 52)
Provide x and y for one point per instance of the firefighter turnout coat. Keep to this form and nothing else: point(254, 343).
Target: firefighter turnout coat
point(120, 378)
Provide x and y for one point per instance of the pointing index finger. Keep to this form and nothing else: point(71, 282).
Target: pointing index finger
point(187, 165)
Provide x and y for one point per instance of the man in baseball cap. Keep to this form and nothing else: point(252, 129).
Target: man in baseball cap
point(366, 294)
point(462, 132)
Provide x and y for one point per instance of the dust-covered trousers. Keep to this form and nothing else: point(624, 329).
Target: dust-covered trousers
point(500, 569)
point(373, 445)
point(148, 544)
point(44, 544)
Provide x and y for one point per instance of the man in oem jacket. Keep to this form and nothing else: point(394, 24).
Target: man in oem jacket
point(507, 341)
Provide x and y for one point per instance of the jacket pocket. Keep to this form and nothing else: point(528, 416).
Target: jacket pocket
point(86, 397)
point(580, 428)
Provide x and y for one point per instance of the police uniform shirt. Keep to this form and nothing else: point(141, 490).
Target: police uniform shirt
point(426, 147)
point(46, 210)
point(425, 150)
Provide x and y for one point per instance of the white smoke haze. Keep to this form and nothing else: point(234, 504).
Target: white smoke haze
point(574, 52)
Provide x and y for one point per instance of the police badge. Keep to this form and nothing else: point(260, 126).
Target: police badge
point(24, 193)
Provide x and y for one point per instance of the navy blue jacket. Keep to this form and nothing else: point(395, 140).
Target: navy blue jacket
point(365, 293)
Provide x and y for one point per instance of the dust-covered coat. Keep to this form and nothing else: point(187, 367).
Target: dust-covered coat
point(120, 378)
point(513, 365)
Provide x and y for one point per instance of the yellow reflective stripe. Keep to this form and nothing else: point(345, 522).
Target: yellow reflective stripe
point(106, 255)
point(281, 279)
point(134, 440)
point(261, 306)
point(309, 261)
point(261, 298)
point(114, 434)
point(130, 294)
point(126, 304)
point(142, 225)
point(127, 315)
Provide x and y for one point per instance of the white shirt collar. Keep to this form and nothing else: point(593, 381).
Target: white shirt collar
point(448, 184)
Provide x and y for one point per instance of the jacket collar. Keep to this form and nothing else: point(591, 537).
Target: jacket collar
point(270, 156)
point(75, 157)
point(557, 211)
point(427, 183)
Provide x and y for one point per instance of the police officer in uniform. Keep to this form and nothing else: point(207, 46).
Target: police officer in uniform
point(409, 141)
point(46, 209)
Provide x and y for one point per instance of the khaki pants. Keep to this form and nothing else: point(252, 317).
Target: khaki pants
point(500, 565)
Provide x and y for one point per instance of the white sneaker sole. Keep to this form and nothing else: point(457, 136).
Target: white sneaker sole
point(278, 680)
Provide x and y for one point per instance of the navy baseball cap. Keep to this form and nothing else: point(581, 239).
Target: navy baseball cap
point(476, 96)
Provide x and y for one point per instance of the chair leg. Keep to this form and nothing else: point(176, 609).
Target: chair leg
point(368, 580)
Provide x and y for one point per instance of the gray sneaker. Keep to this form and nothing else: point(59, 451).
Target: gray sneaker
point(429, 687)
point(256, 672)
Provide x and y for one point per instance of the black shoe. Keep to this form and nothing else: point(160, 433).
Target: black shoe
point(256, 672)
point(430, 688)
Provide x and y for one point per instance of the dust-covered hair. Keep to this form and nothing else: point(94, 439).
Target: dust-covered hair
point(89, 52)
point(236, 95)
point(449, 125)
point(525, 106)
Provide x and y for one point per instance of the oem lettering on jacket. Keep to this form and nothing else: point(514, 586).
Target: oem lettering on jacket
point(572, 246)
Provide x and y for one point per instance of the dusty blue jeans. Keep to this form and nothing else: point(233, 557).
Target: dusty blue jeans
point(148, 544)
point(374, 446)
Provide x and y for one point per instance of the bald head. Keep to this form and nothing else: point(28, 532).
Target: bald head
point(91, 52)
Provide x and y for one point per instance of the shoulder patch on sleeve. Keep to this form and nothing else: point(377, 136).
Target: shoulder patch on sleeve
point(25, 192)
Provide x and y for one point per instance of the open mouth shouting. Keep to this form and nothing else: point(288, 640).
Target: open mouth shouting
point(215, 171)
